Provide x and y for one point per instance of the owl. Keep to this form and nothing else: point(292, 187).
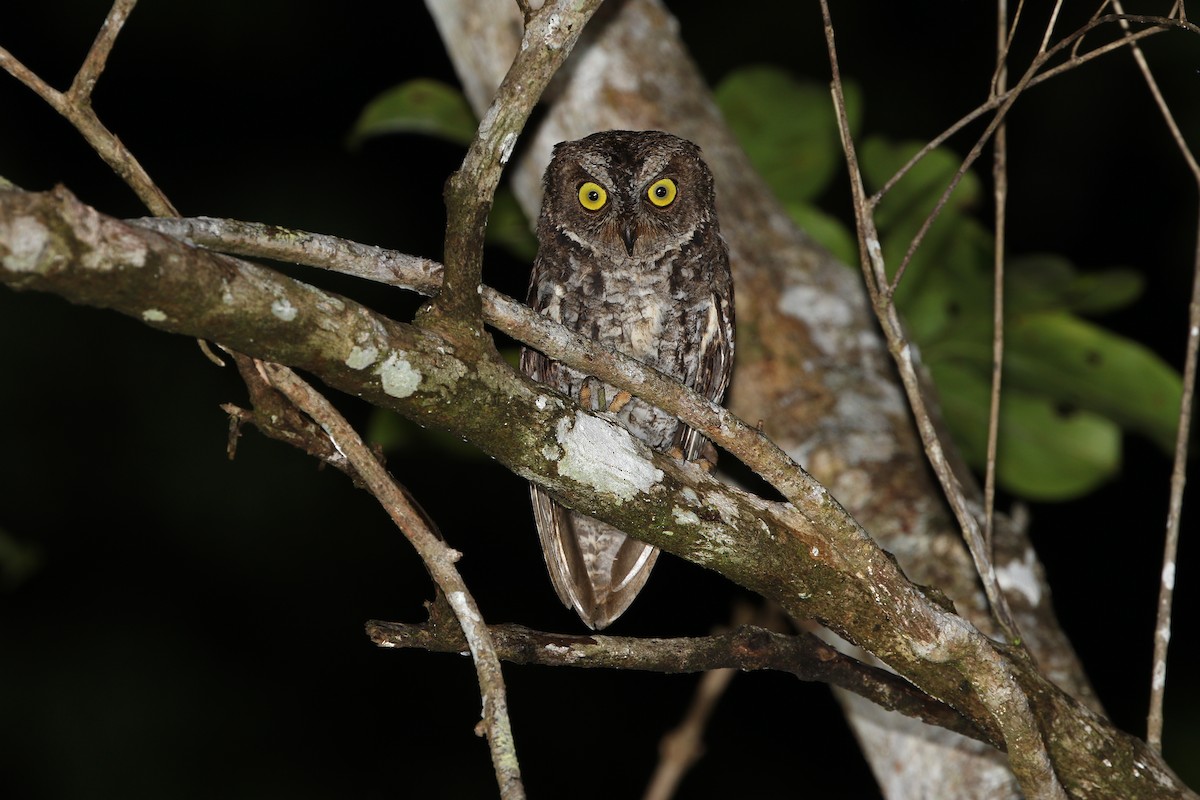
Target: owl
point(629, 254)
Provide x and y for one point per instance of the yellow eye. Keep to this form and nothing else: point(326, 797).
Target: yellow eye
point(592, 196)
point(662, 192)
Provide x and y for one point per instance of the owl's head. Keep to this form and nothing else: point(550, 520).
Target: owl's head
point(627, 194)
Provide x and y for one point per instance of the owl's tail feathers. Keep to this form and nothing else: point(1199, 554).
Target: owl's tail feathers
point(596, 569)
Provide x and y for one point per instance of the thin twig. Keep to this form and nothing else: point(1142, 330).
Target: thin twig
point(1000, 193)
point(75, 106)
point(1163, 23)
point(1166, 586)
point(683, 745)
point(744, 648)
point(437, 556)
point(1050, 27)
point(84, 83)
point(875, 277)
point(975, 152)
point(550, 34)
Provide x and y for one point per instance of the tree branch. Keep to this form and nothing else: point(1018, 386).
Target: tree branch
point(725, 429)
point(745, 648)
point(438, 557)
point(810, 557)
point(76, 106)
point(810, 366)
point(550, 33)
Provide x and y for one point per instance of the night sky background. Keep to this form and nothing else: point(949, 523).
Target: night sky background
point(176, 624)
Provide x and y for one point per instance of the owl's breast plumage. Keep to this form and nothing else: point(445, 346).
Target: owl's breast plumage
point(655, 311)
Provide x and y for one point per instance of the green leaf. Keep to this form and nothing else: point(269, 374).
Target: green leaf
point(909, 202)
point(1070, 387)
point(422, 106)
point(1048, 282)
point(509, 228)
point(787, 127)
point(948, 278)
point(1045, 452)
point(826, 230)
point(1077, 363)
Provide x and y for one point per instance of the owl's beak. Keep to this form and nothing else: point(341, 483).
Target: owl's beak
point(629, 234)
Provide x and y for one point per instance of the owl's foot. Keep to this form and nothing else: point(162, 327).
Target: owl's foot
point(585, 396)
point(619, 402)
point(705, 460)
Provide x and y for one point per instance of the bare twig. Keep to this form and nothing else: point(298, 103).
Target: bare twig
point(1049, 32)
point(683, 746)
point(1166, 587)
point(1000, 193)
point(875, 276)
point(550, 33)
point(84, 83)
point(1163, 23)
point(743, 648)
point(75, 104)
point(438, 557)
point(258, 240)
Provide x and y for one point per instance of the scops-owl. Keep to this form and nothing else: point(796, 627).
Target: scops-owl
point(629, 254)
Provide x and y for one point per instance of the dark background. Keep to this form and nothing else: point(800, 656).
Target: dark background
point(175, 624)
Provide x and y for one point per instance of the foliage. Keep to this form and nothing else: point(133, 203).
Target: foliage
point(432, 108)
point(1070, 386)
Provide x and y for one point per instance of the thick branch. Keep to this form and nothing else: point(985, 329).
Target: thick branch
point(507, 315)
point(811, 557)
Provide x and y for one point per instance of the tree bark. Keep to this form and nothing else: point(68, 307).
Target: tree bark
point(809, 556)
point(810, 363)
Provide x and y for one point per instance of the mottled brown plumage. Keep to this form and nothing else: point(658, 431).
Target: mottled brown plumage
point(629, 254)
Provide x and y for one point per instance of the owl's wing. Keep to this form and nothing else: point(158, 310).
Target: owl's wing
point(715, 365)
point(595, 568)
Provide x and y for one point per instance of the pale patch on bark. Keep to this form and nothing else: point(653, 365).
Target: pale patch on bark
point(398, 376)
point(284, 310)
point(605, 457)
point(26, 238)
point(361, 357)
point(1018, 576)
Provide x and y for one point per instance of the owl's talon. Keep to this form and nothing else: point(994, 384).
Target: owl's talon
point(619, 402)
point(585, 396)
point(675, 453)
